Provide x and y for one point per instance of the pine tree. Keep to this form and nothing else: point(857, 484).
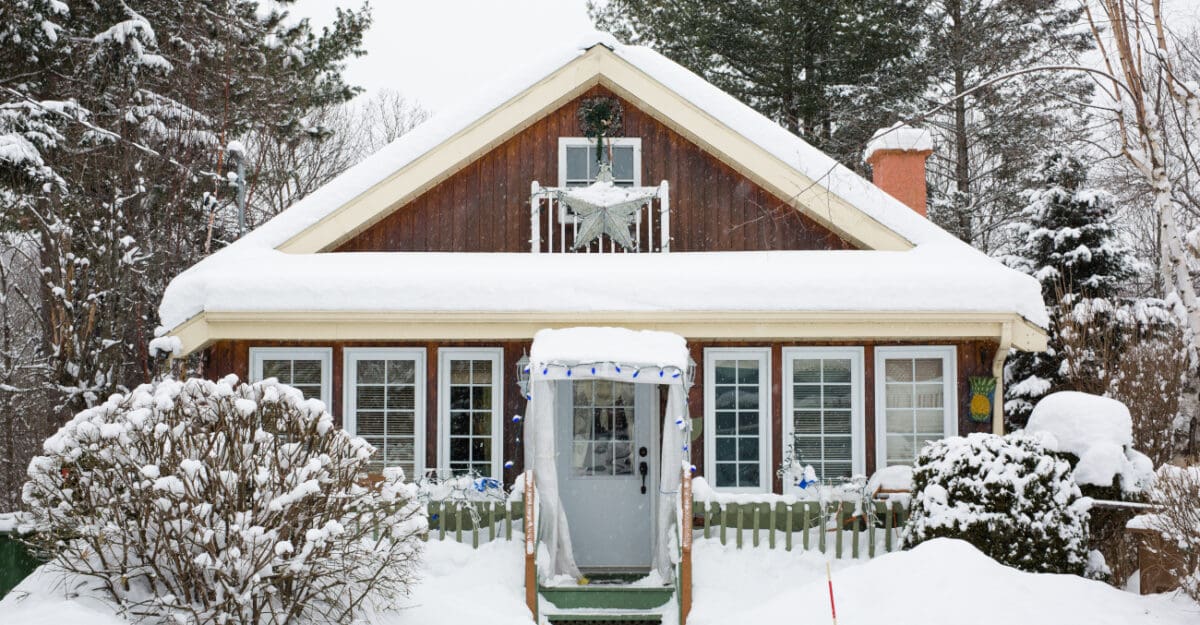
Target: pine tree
point(988, 141)
point(115, 120)
point(831, 72)
point(1069, 244)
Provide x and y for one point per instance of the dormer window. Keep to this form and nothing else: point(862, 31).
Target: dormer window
point(577, 165)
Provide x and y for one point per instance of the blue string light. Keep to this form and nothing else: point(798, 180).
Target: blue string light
point(593, 371)
point(508, 464)
point(568, 373)
point(516, 418)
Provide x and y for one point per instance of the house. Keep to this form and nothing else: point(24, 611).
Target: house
point(821, 317)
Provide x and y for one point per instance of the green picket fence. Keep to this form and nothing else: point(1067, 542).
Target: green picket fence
point(476, 521)
point(837, 527)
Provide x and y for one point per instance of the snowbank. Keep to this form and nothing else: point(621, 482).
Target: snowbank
point(776, 281)
point(941, 582)
point(457, 585)
point(618, 345)
point(1098, 431)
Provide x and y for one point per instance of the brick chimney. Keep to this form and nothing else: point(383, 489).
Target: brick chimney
point(897, 159)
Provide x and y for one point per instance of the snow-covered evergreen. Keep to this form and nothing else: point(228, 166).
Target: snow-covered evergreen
point(1007, 495)
point(1068, 242)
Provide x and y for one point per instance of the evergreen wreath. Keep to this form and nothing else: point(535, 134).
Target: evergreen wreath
point(600, 117)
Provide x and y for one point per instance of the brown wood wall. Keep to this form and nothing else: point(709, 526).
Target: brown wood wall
point(485, 206)
point(974, 359)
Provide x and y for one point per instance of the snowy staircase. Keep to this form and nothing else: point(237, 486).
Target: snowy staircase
point(604, 604)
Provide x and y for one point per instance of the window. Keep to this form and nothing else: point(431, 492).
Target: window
point(385, 404)
point(823, 409)
point(307, 369)
point(577, 165)
point(915, 400)
point(469, 410)
point(602, 428)
point(736, 407)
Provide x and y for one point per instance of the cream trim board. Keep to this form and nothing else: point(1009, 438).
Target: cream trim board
point(597, 66)
point(206, 328)
point(323, 354)
point(949, 356)
point(575, 142)
point(765, 472)
point(858, 400)
point(496, 355)
point(351, 357)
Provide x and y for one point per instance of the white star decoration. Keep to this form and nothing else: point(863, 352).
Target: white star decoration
point(612, 221)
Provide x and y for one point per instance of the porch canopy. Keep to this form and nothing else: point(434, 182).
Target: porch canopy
point(619, 354)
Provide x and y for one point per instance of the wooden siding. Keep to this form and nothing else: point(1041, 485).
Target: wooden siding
point(974, 359)
point(485, 206)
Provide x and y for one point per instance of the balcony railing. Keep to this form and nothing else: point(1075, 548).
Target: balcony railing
point(554, 226)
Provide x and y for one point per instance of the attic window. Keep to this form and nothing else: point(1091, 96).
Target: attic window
point(577, 165)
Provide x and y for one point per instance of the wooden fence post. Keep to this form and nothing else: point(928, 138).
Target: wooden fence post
point(531, 589)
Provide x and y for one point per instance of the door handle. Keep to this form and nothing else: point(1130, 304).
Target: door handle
point(644, 470)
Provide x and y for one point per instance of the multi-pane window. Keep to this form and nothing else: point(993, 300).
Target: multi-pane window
point(918, 398)
point(385, 405)
point(825, 407)
point(602, 428)
point(470, 401)
point(578, 165)
point(736, 407)
point(307, 369)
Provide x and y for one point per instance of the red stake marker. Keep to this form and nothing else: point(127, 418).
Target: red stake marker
point(832, 606)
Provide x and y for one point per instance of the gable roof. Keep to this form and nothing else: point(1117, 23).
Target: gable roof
point(752, 144)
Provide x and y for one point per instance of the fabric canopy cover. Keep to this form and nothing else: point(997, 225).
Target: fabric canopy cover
point(622, 355)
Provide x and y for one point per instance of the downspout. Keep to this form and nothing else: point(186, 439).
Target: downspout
point(998, 373)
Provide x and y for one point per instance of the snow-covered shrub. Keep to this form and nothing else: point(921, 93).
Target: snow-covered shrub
point(1177, 493)
point(218, 502)
point(1006, 495)
point(1096, 435)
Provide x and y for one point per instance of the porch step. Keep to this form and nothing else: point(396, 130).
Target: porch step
point(604, 618)
point(607, 597)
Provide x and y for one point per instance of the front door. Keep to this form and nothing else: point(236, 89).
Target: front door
point(606, 471)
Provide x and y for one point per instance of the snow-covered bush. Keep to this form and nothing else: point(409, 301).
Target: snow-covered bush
point(1006, 495)
point(1177, 494)
point(1096, 435)
point(218, 502)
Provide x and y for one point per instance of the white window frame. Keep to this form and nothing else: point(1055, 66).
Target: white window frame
point(858, 399)
point(496, 355)
point(565, 142)
point(765, 473)
point(949, 356)
point(324, 354)
point(351, 356)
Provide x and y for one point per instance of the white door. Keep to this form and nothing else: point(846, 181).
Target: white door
point(606, 471)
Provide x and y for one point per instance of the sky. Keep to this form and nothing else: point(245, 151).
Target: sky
point(434, 50)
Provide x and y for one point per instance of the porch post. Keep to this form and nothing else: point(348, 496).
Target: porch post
point(531, 591)
point(685, 540)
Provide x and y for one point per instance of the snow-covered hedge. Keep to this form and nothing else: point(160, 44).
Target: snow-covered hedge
point(1097, 434)
point(218, 502)
point(1006, 495)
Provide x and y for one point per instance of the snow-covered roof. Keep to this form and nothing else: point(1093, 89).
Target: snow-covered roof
point(250, 275)
point(269, 280)
point(572, 346)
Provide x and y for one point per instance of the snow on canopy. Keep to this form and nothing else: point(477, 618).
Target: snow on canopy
point(644, 348)
point(776, 281)
point(1097, 430)
point(815, 280)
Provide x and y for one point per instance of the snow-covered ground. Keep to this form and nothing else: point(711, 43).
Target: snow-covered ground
point(941, 582)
